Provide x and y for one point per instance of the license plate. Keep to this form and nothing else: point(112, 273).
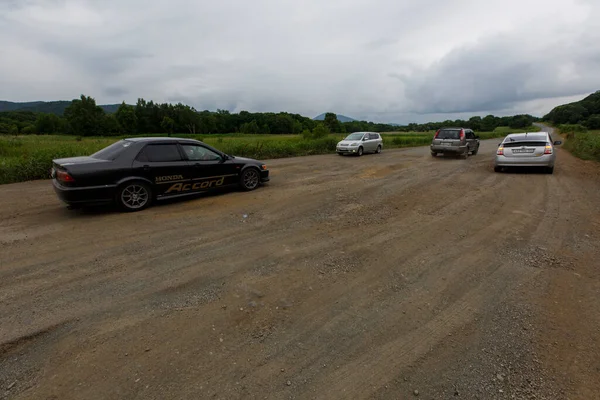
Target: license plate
point(447, 144)
point(523, 150)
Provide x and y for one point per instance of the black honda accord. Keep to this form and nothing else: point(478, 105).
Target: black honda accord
point(135, 172)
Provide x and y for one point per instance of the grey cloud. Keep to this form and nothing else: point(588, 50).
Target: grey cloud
point(504, 71)
point(113, 91)
point(380, 59)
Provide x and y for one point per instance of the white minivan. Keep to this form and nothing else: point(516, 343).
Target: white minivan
point(358, 143)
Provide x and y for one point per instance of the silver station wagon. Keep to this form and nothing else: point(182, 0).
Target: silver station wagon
point(526, 150)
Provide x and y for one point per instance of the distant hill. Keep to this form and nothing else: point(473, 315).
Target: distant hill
point(585, 112)
point(340, 117)
point(50, 107)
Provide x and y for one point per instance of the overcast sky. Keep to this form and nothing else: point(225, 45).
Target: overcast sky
point(382, 60)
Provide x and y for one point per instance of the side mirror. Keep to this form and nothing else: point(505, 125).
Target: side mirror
point(557, 143)
point(365, 139)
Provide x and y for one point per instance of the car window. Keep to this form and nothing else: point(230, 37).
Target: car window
point(470, 135)
point(449, 134)
point(354, 136)
point(524, 137)
point(199, 153)
point(112, 152)
point(374, 136)
point(161, 153)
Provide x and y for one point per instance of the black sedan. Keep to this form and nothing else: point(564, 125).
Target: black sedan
point(135, 172)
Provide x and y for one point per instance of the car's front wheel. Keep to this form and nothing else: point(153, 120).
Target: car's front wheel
point(250, 179)
point(134, 196)
point(360, 151)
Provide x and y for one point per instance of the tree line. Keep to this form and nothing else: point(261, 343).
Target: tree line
point(84, 118)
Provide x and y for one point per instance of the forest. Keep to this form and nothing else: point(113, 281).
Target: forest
point(82, 117)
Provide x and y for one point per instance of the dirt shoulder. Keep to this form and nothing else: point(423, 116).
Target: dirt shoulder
point(370, 277)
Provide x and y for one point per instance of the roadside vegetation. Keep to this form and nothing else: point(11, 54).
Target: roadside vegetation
point(29, 157)
point(581, 142)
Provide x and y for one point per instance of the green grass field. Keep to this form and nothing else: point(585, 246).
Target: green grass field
point(29, 157)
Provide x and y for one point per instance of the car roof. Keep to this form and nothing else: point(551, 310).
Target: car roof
point(161, 139)
point(525, 136)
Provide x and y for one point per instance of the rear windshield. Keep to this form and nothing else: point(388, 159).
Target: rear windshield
point(112, 152)
point(530, 143)
point(449, 134)
point(526, 137)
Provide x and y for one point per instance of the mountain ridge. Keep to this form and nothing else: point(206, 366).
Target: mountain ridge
point(340, 117)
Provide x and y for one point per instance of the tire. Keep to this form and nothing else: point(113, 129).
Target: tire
point(134, 196)
point(497, 169)
point(550, 170)
point(250, 179)
point(474, 152)
point(378, 151)
point(465, 155)
point(340, 154)
point(360, 151)
point(433, 154)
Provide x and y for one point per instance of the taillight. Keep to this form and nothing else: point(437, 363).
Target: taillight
point(500, 151)
point(462, 134)
point(436, 134)
point(548, 149)
point(64, 176)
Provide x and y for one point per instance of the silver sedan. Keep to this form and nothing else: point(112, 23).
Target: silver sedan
point(526, 150)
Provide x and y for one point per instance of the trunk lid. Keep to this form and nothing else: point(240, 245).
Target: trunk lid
point(524, 149)
point(64, 162)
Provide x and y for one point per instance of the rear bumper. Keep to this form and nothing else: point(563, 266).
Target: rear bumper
point(84, 195)
point(435, 148)
point(540, 161)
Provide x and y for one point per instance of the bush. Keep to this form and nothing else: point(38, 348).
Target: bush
point(585, 145)
point(28, 130)
point(593, 122)
point(572, 129)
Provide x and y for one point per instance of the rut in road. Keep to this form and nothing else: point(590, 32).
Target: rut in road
point(343, 279)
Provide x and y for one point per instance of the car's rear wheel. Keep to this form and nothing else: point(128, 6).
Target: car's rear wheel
point(497, 169)
point(378, 149)
point(134, 196)
point(360, 151)
point(465, 155)
point(250, 179)
point(550, 170)
point(474, 152)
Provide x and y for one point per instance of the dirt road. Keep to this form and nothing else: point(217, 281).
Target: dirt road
point(386, 276)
